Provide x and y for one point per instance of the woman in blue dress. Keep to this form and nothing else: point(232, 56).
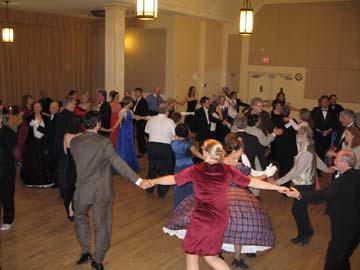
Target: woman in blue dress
point(125, 146)
point(183, 149)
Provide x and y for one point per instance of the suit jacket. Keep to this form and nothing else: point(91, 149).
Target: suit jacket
point(284, 148)
point(343, 199)
point(62, 122)
point(105, 113)
point(94, 155)
point(50, 134)
point(142, 107)
point(8, 141)
point(253, 149)
point(200, 126)
point(322, 124)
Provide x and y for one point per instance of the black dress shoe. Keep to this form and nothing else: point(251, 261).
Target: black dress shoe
point(97, 266)
point(85, 258)
point(306, 240)
point(239, 264)
point(140, 155)
point(251, 255)
point(296, 240)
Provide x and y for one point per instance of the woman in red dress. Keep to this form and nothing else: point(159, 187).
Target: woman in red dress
point(84, 106)
point(211, 214)
point(115, 109)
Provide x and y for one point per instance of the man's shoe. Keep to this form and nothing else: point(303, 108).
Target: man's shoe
point(97, 266)
point(296, 240)
point(306, 240)
point(140, 155)
point(85, 258)
point(239, 264)
point(5, 226)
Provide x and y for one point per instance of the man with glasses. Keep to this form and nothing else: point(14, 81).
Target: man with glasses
point(343, 199)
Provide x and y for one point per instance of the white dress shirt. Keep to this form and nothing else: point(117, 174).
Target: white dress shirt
point(161, 129)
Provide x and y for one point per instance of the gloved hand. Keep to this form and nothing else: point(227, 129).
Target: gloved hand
point(270, 170)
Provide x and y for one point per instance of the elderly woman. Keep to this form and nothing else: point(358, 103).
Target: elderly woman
point(303, 176)
point(210, 215)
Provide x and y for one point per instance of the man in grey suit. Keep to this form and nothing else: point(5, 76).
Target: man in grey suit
point(94, 155)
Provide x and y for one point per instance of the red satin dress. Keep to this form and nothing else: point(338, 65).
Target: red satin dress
point(115, 109)
point(210, 216)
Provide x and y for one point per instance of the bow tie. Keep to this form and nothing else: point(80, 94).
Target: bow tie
point(324, 110)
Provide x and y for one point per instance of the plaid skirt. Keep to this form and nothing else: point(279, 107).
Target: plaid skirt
point(249, 225)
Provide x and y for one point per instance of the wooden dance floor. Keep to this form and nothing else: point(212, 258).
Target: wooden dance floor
point(42, 237)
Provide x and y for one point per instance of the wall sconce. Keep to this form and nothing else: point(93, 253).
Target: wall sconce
point(7, 31)
point(246, 19)
point(147, 10)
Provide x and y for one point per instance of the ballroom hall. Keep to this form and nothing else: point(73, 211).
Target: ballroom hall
point(302, 48)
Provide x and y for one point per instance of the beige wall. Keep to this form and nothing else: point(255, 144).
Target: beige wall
point(322, 37)
point(145, 52)
point(233, 62)
point(213, 57)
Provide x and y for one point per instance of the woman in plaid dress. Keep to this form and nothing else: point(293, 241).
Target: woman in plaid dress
point(210, 215)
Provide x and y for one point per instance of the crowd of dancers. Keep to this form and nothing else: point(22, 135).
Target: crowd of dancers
point(218, 158)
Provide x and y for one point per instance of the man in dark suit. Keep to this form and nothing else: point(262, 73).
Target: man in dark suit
point(201, 121)
point(7, 174)
point(284, 156)
point(45, 102)
point(347, 118)
point(62, 122)
point(50, 136)
point(252, 146)
point(94, 155)
point(141, 108)
point(238, 102)
point(343, 200)
point(335, 106)
point(324, 123)
point(105, 111)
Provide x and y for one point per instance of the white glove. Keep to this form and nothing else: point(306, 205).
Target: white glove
point(270, 170)
point(34, 123)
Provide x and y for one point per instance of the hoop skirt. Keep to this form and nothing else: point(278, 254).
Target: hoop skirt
point(248, 224)
point(210, 214)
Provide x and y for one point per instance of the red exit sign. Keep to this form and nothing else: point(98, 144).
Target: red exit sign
point(265, 60)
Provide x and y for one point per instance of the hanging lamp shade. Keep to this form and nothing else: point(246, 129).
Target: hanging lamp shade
point(147, 10)
point(7, 32)
point(8, 35)
point(246, 19)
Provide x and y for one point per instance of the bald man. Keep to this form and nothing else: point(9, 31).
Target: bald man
point(343, 199)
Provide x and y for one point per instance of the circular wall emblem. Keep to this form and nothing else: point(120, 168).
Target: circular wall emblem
point(298, 76)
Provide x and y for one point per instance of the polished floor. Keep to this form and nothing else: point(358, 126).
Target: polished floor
point(42, 238)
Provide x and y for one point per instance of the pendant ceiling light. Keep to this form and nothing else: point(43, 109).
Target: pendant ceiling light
point(7, 31)
point(246, 19)
point(147, 10)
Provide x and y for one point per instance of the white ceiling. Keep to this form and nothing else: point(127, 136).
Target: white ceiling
point(218, 8)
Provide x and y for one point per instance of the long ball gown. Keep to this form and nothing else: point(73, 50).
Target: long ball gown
point(125, 146)
point(115, 109)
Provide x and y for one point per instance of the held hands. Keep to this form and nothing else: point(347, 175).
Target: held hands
point(293, 193)
point(145, 184)
point(283, 190)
